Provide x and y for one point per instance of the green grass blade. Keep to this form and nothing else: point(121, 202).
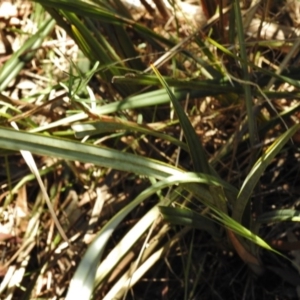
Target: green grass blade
point(196, 150)
point(143, 100)
point(186, 217)
point(128, 241)
point(91, 47)
point(257, 170)
point(103, 13)
point(82, 283)
point(246, 77)
point(279, 216)
point(23, 55)
point(72, 150)
point(208, 87)
point(94, 128)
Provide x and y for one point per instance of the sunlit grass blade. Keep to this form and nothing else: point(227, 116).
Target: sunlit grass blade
point(84, 277)
point(93, 128)
point(129, 279)
point(127, 242)
point(72, 150)
point(257, 170)
point(33, 168)
point(279, 216)
point(181, 215)
point(148, 99)
point(110, 158)
point(116, 255)
point(17, 61)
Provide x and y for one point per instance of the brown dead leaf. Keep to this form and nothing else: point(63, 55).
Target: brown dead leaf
point(21, 209)
point(244, 254)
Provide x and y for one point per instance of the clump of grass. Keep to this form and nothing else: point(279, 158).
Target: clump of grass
point(125, 179)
